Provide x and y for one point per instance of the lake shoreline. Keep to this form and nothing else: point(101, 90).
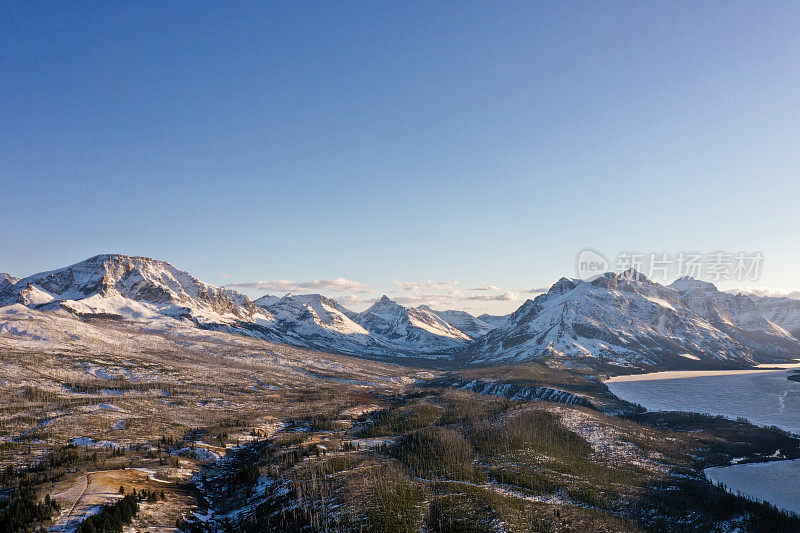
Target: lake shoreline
point(684, 374)
point(764, 397)
point(758, 481)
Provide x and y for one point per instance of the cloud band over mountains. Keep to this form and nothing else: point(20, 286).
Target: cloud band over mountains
point(317, 285)
point(437, 294)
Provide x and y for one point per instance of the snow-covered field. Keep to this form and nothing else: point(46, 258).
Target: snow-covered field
point(777, 482)
point(764, 397)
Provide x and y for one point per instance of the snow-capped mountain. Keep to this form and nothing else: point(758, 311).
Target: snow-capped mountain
point(127, 287)
point(493, 321)
point(312, 320)
point(385, 329)
point(732, 313)
point(266, 300)
point(625, 319)
point(6, 281)
point(315, 309)
point(781, 311)
point(415, 329)
point(142, 289)
point(473, 326)
point(755, 313)
point(622, 319)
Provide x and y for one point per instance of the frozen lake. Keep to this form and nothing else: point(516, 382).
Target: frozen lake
point(764, 397)
point(777, 482)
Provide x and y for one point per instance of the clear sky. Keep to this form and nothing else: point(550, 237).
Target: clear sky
point(420, 149)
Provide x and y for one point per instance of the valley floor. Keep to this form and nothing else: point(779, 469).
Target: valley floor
point(217, 432)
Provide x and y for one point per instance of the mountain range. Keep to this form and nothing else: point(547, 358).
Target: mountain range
point(621, 319)
point(627, 320)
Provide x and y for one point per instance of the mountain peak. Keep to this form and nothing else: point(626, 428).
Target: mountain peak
point(119, 258)
point(8, 278)
point(386, 306)
point(632, 274)
point(627, 278)
point(619, 317)
point(409, 328)
point(313, 298)
point(563, 285)
point(105, 257)
point(468, 324)
point(624, 318)
point(6, 282)
point(688, 283)
point(266, 300)
point(140, 279)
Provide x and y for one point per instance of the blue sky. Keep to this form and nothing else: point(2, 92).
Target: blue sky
point(400, 146)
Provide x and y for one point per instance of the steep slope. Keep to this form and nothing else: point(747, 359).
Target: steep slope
point(409, 330)
point(266, 300)
point(474, 327)
point(735, 314)
point(129, 287)
point(6, 282)
point(625, 319)
point(321, 311)
point(144, 289)
point(703, 298)
point(782, 311)
point(314, 321)
point(493, 321)
point(621, 319)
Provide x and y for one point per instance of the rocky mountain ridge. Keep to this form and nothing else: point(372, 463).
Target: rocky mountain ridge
point(620, 319)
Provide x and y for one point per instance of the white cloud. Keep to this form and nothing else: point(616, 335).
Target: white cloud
point(447, 294)
point(413, 286)
point(486, 287)
point(358, 296)
point(356, 300)
point(500, 297)
point(430, 289)
point(766, 291)
point(284, 285)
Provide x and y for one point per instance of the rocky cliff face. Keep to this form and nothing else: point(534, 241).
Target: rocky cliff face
point(620, 319)
point(472, 326)
point(625, 319)
point(783, 312)
point(105, 278)
point(409, 329)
